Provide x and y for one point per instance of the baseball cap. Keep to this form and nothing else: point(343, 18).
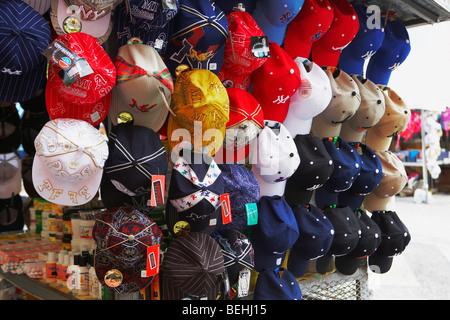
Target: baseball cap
point(275, 233)
point(327, 50)
point(395, 237)
point(316, 167)
point(394, 120)
point(370, 111)
point(239, 60)
point(10, 175)
point(88, 98)
point(27, 168)
point(347, 166)
point(277, 285)
point(196, 185)
point(344, 103)
point(238, 253)
point(122, 236)
point(69, 160)
point(143, 87)
point(367, 179)
point(136, 154)
point(200, 29)
point(308, 26)
point(311, 99)
point(316, 234)
point(11, 214)
point(273, 17)
point(94, 18)
point(200, 105)
point(151, 23)
point(347, 232)
point(275, 82)
point(24, 35)
point(192, 268)
point(393, 181)
point(32, 123)
point(274, 159)
point(393, 51)
point(228, 6)
point(10, 129)
point(240, 183)
point(246, 120)
point(367, 244)
point(367, 41)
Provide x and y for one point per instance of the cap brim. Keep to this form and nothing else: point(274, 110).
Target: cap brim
point(322, 55)
point(323, 263)
point(347, 265)
point(296, 264)
point(99, 29)
point(380, 263)
point(61, 192)
point(207, 225)
point(154, 118)
point(324, 198)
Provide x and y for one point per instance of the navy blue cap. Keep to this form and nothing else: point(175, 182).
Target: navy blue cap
point(24, 34)
point(273, 17)
point(347, 232)
point(194, 194)
point(367, 180)
point(241, 184)
point(200, 29)
point(395, 237)
point(227, 5)
point(275, 233)
point(366, 42)
point(347, 166)
point(367, 244)
point(135, 154)
point(151, 24)
point(10, 129)
point(277, 285)
point(316, 235)
point(316, 167)
point(393, 52)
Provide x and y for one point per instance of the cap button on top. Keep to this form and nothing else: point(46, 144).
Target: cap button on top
point(134, 163)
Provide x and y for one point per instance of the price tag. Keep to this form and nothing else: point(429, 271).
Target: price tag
point(226, 208)
point(157, 192)
point(252, 213)
point(260, 47)
point(153, 258)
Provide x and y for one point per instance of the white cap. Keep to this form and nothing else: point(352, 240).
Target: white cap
point(69, 160)
point(310, 99)
point(274, 159)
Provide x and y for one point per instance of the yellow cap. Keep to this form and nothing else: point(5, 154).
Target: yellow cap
point(200, 104)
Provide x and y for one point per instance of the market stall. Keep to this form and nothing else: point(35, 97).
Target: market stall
point(202, 150)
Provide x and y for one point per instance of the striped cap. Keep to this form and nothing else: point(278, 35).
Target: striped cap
point(41, 6)
point(192, 268)
point(24, 34)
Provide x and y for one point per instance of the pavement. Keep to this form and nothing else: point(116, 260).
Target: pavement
point(422, 271)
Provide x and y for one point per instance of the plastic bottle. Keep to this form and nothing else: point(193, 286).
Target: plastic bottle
point(95, 289)
point(84, 277)
point(59, 267)
point(50, 267)
point(75, 274)
point(64, 267)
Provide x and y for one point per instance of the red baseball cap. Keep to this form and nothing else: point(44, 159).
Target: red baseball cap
point(88, 98)
point(245, 123)
point(311, 24)
point(345, 26)
point(275, 82)
point(239, 61)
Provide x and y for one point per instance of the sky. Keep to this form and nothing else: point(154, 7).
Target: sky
point(423, 79)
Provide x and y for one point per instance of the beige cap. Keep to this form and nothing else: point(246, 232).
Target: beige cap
point(393, 181)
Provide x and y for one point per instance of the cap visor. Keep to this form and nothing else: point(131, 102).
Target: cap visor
point(65, 193)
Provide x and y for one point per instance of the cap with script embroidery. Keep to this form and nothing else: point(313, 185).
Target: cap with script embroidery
point(69, 160)
point(91, 17)
point(24, 35)
point(327, 50)
point(143, 89)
